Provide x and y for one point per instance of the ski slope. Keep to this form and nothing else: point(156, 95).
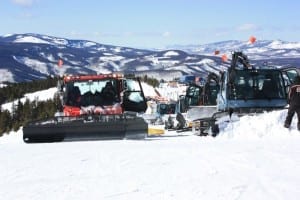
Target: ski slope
point(253, 158)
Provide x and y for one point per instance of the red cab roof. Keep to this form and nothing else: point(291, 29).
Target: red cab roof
point(70, 78)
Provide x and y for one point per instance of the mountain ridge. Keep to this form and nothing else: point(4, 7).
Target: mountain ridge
point(30, 56)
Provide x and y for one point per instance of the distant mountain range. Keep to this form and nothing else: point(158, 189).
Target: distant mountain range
point(261, 49)
point(25, 57)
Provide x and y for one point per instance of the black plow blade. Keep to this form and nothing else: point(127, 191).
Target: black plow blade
point(57, 130)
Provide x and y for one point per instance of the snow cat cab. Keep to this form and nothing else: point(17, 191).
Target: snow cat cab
point(198, 102)
point(202, 95)
point(104, 106)
point(166, 112)
point(245, 89)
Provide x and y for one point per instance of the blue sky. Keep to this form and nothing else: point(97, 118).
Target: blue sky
point(153, 23)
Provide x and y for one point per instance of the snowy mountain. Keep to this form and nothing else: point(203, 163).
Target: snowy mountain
point(261, 49)
point(25, 57)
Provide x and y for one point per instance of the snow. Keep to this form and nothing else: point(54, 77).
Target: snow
point(54, 40)
point(34, 64)
point(2, 85)
point(117, 49)
point(256, 50)
point(142, 68)
point(110, 58)
point(252, 158)
point(292, 53)
point(40, 96)
point(6, 76)
point(206, 61)
point(8, 35)
point(278, 44)
point(172, 92)
point(171, 53)
point(264, 47)
point(101, 49)
point(30, 39)
point(89, 44)
point(125, 61)
point(49, 57)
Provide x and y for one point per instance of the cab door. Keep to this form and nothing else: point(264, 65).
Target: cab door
point(133, 96)
point(289, 75)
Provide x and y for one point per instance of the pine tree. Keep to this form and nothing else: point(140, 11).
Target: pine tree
point(26, 112)
point(5, 122)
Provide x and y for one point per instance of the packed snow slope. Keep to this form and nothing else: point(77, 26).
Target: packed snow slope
point(253, 158)
point(256, 160)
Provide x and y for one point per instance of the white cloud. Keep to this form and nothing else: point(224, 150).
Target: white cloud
point(24, 3)
point(247, 27)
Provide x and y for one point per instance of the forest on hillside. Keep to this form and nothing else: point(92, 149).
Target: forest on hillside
point(22, 113)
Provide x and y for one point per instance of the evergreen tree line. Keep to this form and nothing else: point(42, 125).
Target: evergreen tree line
point(23, 113)
point(17, 90)
point(150, 81)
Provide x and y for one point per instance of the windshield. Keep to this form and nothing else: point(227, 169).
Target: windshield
point(259, 84)
point(92, 92)
point(164, 108)
point(193, 95)
point(210, 93)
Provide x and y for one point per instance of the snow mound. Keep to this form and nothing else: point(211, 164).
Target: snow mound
point(265, 125)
